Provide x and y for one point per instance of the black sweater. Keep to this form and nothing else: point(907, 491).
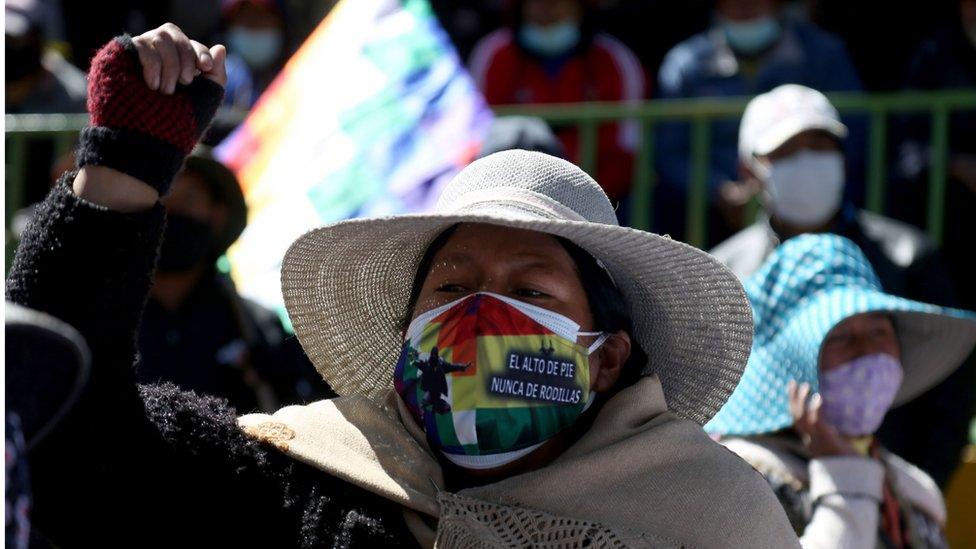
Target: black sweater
point(153, 465)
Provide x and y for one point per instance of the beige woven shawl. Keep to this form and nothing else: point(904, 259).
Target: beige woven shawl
point(640, 477)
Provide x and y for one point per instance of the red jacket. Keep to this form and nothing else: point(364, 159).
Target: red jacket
point(606, 71)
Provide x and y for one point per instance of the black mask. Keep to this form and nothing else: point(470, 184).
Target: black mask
point(23, 58)
point(187, 243)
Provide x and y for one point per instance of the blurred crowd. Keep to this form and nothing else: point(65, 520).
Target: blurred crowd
point(559, 51)
point(791, 152)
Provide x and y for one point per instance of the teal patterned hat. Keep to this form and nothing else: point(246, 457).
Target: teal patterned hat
point(807, 286)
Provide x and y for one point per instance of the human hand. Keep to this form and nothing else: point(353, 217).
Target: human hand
point(168, 56)
point(819, 437)
point(149, 106)
point(732, 200)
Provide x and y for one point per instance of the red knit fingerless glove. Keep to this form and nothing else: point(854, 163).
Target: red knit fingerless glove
point(135, 130)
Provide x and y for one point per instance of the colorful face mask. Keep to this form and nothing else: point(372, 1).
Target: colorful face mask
point(857, 395)
point(490, 378)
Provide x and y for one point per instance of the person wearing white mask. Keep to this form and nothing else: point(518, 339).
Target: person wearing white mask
point(790, 151)
point(751, 47)
point(255, 48)
point(552, 53)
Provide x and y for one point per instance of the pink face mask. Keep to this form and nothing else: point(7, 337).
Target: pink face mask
point(857, 395)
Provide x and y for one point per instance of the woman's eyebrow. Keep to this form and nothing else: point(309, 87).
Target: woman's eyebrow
point(526, 261)
point(451, 258)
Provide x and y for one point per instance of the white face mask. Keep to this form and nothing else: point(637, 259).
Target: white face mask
point(258, 47)
point(551, 40)
point(805, 189)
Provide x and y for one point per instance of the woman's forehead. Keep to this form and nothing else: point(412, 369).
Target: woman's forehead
point(862, 320)
point(478, 241)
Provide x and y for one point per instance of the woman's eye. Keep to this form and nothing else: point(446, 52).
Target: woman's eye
point(450, 287)
point(530, 293)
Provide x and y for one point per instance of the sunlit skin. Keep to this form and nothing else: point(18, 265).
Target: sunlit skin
point(549, 12)
point(531, 267)
point(856, 336)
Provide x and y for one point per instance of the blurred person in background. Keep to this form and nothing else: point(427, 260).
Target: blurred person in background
point(38, 81)
point(551, 53)
point(197, 332)
point(791, 152)
point(947, 60)
point(256, 48)
point(832, 353)
point(751, 47)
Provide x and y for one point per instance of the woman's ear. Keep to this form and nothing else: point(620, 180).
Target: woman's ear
point(611, 357)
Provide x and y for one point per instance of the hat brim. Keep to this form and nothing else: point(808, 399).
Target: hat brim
point(781, 133)
point(933, 340)
point(933, 346)
point(346, 288)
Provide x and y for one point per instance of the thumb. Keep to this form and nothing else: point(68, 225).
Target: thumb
point(218, 72)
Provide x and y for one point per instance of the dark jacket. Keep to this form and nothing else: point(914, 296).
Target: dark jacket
point(931, 430)
point(221, 344)
point(153, 465)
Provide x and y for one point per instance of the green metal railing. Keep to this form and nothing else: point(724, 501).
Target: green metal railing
point(700, 113)
point(19, 131)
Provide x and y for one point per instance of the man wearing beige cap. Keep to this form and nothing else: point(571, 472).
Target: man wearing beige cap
point(790, 151)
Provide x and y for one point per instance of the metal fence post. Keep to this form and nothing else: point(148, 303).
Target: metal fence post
point(696, 232)
point(876, 160)
point(642, 199)
point(588, 146)
point(939, 153)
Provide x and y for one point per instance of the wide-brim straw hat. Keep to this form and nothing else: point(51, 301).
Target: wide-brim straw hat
point(805, 288)
point(346, 285)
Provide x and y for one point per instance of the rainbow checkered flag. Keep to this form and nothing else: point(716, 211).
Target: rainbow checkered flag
point(371, 116)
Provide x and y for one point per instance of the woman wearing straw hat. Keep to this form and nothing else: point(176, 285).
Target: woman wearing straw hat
point(832, 353)
point(569, 362)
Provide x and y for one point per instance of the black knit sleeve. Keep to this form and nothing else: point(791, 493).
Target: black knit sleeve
point(149, 466)
point(90, 267)
point(155, 466)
